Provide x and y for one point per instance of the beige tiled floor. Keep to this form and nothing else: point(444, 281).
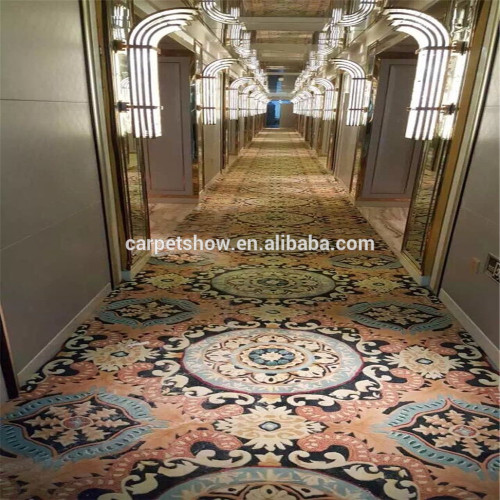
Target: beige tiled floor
point(389, 222)
point(164, 217)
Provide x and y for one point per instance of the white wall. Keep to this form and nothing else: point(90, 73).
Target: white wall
point(477, 227)
point(53, 250)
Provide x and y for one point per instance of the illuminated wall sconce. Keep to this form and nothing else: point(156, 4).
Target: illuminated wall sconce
point(263, 106)
point(317, 101)
point(365, 9)
point(356, 109)
point(302, 103)
point(252, 62)
point(315, 62)
point(121, 22)
point(210, 8)
point(244, 105)
point(329, 101)
point(143, 60)
point(331, 36)
point(234, 30)
point(257, 97)
point(234, 92)
point(433, 56)
point(324, 46)
point(261, 78)
point(243, 47)
point(210, 80)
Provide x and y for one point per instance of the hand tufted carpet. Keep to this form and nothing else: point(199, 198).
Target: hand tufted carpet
point(278, 376)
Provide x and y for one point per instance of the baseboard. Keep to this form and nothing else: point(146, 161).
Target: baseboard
point(137, 267)
point(172, 199)
point(479, 336)
point(412, 269)
point(382, 203)
point(203, 192)
point(54, 346)
point(217, 177)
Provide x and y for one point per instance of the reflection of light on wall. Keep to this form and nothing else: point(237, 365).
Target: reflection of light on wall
point(211, 94)
point(433, 55)
point(124, 96)
point(143, 60)
point(121, 22)
point(452, 94)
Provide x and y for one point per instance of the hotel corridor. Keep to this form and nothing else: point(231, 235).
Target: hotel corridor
point(269, 375)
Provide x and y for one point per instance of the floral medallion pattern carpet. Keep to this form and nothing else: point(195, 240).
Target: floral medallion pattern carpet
point(262, 376)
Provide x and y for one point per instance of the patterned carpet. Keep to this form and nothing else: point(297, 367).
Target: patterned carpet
point(278, 376)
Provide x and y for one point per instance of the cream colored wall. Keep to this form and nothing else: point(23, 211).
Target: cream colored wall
point(476, 232)
point(53, 229)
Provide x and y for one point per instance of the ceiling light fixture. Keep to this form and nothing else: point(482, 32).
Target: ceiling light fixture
point(142, 51)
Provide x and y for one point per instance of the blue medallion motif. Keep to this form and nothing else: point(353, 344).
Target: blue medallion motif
point(140, 313)
point(450, 431)
point(400, 316)
point(67, 428)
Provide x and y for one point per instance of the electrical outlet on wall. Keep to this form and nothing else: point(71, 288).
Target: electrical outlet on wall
point(475, 265)
point(493, 268)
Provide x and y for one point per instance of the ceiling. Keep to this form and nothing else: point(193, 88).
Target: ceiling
point(284, 30)
point(286, 8)
point(267, 36)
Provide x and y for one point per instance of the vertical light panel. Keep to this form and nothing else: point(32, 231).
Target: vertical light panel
point(356, 107)
point(433, 56)
point(143, 61)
